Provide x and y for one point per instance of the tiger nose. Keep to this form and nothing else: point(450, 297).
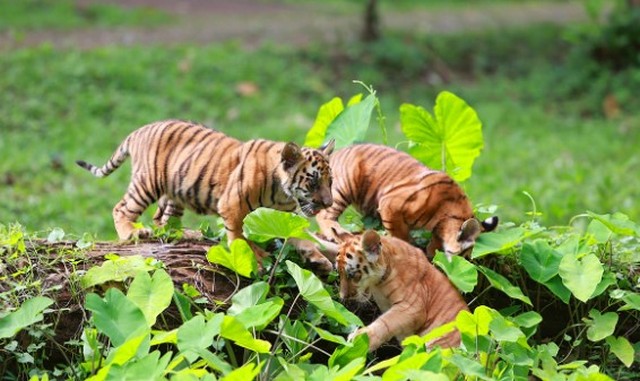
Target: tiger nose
point(326, 200)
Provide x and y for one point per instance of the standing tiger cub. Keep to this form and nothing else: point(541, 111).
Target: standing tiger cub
point(186, 165)
point(413, 295)
point(382, 182)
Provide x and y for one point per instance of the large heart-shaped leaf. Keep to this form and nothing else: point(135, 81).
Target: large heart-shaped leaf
point(326, 114)
point(600, 325)
point(450, 141)
point(116, 316)
point(151, 294)
point(622, 349)
point(539, 260)
point(461, 272)
point(352, 124)
point(581, 275)
point(264, 224)
point(29, 312)
point(251, 309)
point(502, 241)
point(241, 259)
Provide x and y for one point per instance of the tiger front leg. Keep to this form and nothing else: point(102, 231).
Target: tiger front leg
point(234, 231)
point(126, 213)
point(398, 322)
point(308, 250)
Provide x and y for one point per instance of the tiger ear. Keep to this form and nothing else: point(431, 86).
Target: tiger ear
point(340, 234)
point(327, 149)
point(489, 224)
point(371, 245)
point(470, 230)
point(291, 155)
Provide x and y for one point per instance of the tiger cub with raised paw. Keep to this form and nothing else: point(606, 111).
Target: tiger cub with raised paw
point(404, 194)
point(413, 295)
point(182, 165)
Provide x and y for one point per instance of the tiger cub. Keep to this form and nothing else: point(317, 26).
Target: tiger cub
point(404, 194)
point(182, 165)
point(414, 296)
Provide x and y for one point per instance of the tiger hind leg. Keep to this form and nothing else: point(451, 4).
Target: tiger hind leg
point(167, 208)
point(127, 211)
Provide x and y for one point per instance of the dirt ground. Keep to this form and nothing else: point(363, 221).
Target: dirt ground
point(254, 22)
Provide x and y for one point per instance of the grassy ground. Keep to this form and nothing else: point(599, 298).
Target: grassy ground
point(58, 106)
point(66, 14)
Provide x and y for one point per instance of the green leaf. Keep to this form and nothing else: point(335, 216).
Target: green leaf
point(618, 223)
point(540, 260)
point(469, 367)
point(622, 349)
point(326, 335)
point(248, 371)
point(117, 269)
point(261, 315)
point(601, 326)
point(504, 330)
point(251, 309)
point(528, 319)
point(313, 291)
point(476, 323)
point(461, 272)
point(264, 224)
point(581, 275)
point(326, 114)
point(351, 125)
point(558, 288)
point(398, 371)
point(501, 241)
point(501, 283)
point(345, 354)
point(150, 367)
point(235, 331)
point(631, 299)
point(56, 235)
point(116, 316)
point(30, 312)
point(450, 141)
point(608, 279)
point(151, 294)
point(241, 259)
point(196, 334)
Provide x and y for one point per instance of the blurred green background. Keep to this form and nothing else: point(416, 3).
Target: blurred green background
point(555, 84)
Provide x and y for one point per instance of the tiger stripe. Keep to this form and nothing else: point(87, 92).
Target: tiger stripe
point(413, 295)
point(184, 165)
point(400, 191)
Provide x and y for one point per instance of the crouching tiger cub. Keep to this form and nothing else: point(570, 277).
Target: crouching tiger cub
point(414, 296)
point(393, 186)
point(182, 165)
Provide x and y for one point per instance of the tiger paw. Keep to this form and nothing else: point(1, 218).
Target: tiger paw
point(355, 333)
point(142, 233)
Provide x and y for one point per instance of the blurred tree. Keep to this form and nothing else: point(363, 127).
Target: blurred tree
point(371, 29)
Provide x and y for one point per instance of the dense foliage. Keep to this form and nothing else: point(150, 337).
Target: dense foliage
point(554, 295)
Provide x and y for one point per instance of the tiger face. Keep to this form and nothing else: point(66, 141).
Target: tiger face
point(359, 265)
point(308, 177)
point(458, 237)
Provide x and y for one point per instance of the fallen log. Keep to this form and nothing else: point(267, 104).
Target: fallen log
point(54, 270)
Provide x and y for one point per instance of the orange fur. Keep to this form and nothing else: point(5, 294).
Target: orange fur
point(414, 296)
point(182, 165)
point(405, 195)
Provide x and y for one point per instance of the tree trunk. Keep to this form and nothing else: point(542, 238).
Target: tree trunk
point(371, 30)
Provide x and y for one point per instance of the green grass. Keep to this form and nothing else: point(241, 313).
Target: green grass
point(59, 106)
point(24, 15)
